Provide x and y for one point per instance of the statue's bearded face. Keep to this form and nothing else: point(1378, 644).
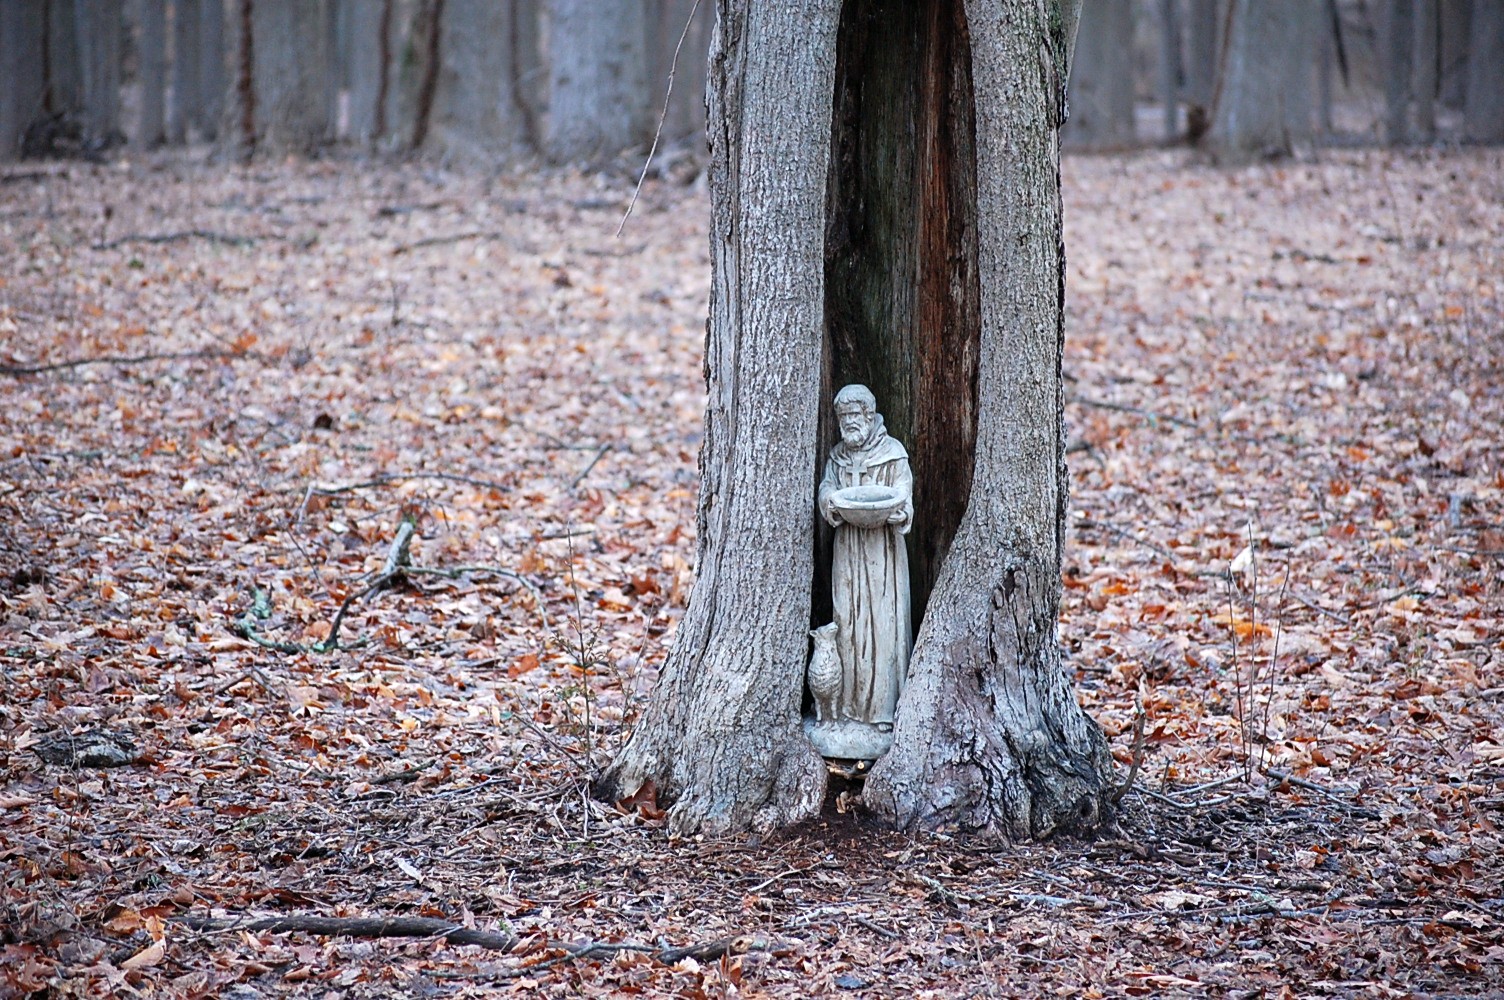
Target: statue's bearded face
point(856, 423)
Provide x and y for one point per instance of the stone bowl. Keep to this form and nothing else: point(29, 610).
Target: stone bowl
point(866, 506)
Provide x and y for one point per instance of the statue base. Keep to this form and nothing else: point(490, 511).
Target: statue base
point(848, 739)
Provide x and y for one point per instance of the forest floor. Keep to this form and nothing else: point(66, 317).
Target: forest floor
point(222, 390)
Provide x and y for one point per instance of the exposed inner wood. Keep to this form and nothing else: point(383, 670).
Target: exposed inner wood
point(902, 301)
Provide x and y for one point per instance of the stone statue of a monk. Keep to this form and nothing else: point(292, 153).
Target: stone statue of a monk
point(870, 567)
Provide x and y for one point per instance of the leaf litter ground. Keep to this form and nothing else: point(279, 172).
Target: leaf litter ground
point(1286, 543)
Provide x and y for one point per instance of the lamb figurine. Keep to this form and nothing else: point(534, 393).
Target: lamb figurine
point(824, 673)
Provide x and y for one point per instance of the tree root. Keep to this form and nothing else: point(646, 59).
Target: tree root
point(504, 941)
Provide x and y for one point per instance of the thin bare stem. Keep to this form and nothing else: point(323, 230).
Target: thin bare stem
point(673, 67)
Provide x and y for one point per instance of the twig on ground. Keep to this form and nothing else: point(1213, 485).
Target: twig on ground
point(1285, 777)
point(1103, 404)
point(367, 927)
point(402, 477)
point(600, 453)
point(434, 241)
point(185, 234)
point(120, 359)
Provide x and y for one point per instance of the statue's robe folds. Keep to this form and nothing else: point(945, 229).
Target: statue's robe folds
point(870, 582)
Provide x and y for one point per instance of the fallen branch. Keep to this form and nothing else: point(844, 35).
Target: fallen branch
point(186, 234)
point(434, 241)
point(1139, 411)
point(365, 927)
point(118, 359)
point(402, 477)
point(398, 562)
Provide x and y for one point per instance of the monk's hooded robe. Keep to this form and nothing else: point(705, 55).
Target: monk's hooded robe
point(870, 579)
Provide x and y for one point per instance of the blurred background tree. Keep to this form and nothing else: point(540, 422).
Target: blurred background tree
point(502, 82)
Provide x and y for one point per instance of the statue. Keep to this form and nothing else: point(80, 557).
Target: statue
point(867, 495)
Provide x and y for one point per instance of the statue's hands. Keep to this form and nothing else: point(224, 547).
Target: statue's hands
point(899, 517)
point(828, 511)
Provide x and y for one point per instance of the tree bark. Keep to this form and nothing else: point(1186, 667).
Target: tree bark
point(151, 54)
point(99, 25)
point(1263, 106)
point(1101, 85)
point(23, 25)
point(1483, 110)
point(885, 208)
point(1399, 59)
point(598, 95)
point(722, 738)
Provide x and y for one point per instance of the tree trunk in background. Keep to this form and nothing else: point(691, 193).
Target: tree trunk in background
point(367, 60)
point(23, 26)
point(475, 118)
point(932, 249)
point(1203, 31)
point(1398, 61)
point(64, 78)
point(213, 81)
point(1169, 66)
point(530, 83)
point(183, 108)
point(99, 26)
point(293, 74)
point(1427, 40)
point(1263, 106)
point(598, 94)
point(151, 54)
point(1483, 111)
point(1101, 85)
point(415, 43)
point(667, 20)
point(1456, 21)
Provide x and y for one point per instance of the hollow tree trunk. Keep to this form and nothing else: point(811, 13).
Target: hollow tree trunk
point(1101, 85)
point(1483, 110)
point(151, 54)
point(22, 74)
point(598, 95)
point(885, 208)
point(1263, 106)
